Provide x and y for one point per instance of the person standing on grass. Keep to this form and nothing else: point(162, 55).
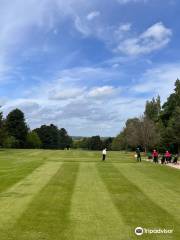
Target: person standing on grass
point(163, 159)
point(138, 153)
point(104, 152)
point(155, 156)
point(175, 160)
point(168, 157)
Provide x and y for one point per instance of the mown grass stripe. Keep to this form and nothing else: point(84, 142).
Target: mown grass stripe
point(136, 208)
point(15, 200)
point(47, 216)
point(155, 189)
point(12, 172)
point(93, 214)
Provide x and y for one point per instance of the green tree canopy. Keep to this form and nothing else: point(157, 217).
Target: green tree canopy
point(33, 140)
point(16, 127)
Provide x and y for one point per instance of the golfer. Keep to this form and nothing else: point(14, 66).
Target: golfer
point(138, 155)
point(155, 156)
point(104, 152)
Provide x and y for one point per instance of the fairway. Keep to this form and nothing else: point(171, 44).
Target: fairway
point(73, 195)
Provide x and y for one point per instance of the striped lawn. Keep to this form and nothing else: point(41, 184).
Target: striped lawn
point(72, 195)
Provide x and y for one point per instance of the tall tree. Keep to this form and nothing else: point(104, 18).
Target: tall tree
point(3, 133)
point(64, 140)
point(16, 127)
point(150, 136)
point(174, 129)
point(153, 109)
point(132, 132)
point(169, 107)
point(95, 143)
point(49, 136)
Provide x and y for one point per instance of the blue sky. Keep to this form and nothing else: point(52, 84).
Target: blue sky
point(87, 66)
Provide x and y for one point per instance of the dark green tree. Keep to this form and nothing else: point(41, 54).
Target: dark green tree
point(3, 133)
point(49, 136)
point(16, 127)
point(65, 141)
point(173, 130)
point(33, 140)
point(107, 143)
point(169, 107)
point(95, 143)
point(153, 109)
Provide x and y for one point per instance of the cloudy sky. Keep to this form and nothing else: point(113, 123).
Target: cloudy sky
point(87, 65)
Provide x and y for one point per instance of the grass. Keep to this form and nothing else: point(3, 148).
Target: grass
point(73, 195)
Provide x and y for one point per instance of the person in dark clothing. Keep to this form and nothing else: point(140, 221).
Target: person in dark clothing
point(163, 159)
point(104, 152)
point(155, 156)
point(175, 160)
point(138, 153)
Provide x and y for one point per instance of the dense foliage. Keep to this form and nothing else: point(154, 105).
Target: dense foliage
point(14, 133)
point(158, 128)
point(53, 138)
point(93, 143)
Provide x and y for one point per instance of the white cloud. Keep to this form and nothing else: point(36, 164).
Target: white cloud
point(154, 38)
point(158, 80)
point(105, 91)
point(93, 15)
point(66, 93)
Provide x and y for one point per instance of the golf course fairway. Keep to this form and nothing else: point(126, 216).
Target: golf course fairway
point(74, 195)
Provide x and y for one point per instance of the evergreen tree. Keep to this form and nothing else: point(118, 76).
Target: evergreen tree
point(153, 109)
point(16, 127)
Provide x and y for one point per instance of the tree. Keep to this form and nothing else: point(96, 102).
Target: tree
point(138, 132)
point(33, 140)
point(119, 143)
point(169, 119)
point(174, 129)
point(49, 136)
point(149, 133)
point(95, 143)
point(169, 107)
point(107, 143)
point(132, 132)
point(10, 142)
point(3, 133)
point(81, 144)
point(153, 109)
point(16, 127)
point(64, 140)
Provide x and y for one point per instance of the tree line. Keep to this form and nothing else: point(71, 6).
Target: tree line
point(15, 133)
point(93, 143)
point(158, 127)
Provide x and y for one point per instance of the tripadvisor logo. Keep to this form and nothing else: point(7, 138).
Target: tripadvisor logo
point(139, 231)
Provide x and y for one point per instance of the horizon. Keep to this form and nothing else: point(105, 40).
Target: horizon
point(87, 66)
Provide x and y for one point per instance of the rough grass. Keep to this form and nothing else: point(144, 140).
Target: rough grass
point(73, 195)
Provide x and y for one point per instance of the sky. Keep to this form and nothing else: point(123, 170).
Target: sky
point(87, 66)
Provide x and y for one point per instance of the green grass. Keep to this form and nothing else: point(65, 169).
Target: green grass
point(73, 195)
